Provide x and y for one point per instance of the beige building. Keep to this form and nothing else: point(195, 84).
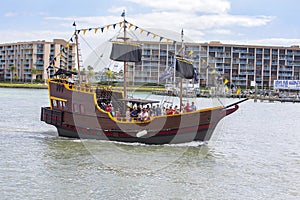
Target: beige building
point(240, 64)
point(24, 56)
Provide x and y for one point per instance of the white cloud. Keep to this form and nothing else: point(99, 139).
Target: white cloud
point(16, 14)
point(85, 22)
point(176, 15)
point(206, 6)
point(24, 36)
point(11, 14)
point(118, 10)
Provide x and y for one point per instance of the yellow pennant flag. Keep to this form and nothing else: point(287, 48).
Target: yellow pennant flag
point(96, 29)
point(213, 71)
point(154, 35)
point(238, 91)
point(191, 52)
point(167, 40)
point(226, 81)
point(84, 31)
point(107, 27)
point(203, 61)
point(142, 30)
point(60, 55)
point(68, 45)
point(121, 24)
point(130, 25)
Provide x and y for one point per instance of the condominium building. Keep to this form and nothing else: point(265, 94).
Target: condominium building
point(240, 64)
point(23, 57)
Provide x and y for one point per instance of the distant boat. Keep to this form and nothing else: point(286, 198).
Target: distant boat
point(79, 111)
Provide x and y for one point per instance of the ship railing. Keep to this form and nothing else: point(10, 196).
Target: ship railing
point(83, 88)
point(132, 119)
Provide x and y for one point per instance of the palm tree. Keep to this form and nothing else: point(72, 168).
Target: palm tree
point(83, 74)
point(12, 69)
point(33, 74)
point(110, 75)
point(91, 72)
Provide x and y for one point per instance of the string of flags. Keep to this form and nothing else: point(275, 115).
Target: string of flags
point(121, 24)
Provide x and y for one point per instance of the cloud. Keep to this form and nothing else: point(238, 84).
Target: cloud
point(15, 14)
point(176, 15)
point(85, 22)
point(118, 10)
point(205, 6)
point(19, 36)
point(11, 14)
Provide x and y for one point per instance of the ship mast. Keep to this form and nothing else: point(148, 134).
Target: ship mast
point(77, 52)
point(181, 87)
point(125, 64)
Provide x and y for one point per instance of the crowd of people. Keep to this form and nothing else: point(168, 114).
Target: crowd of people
point(145, 113)
point(140, 113)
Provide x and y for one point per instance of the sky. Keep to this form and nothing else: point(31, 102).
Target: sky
point(255, 22)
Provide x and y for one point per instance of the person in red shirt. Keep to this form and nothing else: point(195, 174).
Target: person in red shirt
point(187, 108)
point(108, 108)
point(170, 111)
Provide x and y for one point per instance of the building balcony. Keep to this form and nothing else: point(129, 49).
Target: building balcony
point(285, 74)
point(40, 67)
point(39, 62)
point(39, 52)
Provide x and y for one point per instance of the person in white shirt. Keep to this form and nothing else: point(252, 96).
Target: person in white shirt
point(193, 107)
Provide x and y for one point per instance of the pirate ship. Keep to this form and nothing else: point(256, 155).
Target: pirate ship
point(80, 111)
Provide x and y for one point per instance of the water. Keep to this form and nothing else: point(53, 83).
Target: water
point(254, 154)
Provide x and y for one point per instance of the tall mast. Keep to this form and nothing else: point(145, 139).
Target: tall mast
point(125, 64)
point(181, 87)
point(77, 52)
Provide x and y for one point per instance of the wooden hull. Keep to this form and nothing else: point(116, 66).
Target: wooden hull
point(88, 121)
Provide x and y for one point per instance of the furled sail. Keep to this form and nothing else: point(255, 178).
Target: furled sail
point(126, 52)
point(184, 68)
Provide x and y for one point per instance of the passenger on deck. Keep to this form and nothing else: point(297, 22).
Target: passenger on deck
point(176, 110)
point(108, 108)
point(193, 107)
point(70, 81)
point(134, 114)
point(118, 113)
point(127, 114)
point(170, 111)
point(153, 111)
point(158, 110)
point(187, 108)
point(144, 115)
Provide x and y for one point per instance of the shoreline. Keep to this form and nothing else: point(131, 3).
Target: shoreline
point(23, 85)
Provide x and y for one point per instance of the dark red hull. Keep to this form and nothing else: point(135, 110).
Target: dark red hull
point(88, 121)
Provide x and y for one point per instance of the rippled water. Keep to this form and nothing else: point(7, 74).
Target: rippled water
point(254, 154)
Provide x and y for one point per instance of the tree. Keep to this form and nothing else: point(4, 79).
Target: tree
point(12, 69)
point(91, 72)
point(33, 74)
point(110, 75)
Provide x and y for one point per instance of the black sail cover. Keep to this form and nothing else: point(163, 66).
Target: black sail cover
point(184, 68)
point(126, 52)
